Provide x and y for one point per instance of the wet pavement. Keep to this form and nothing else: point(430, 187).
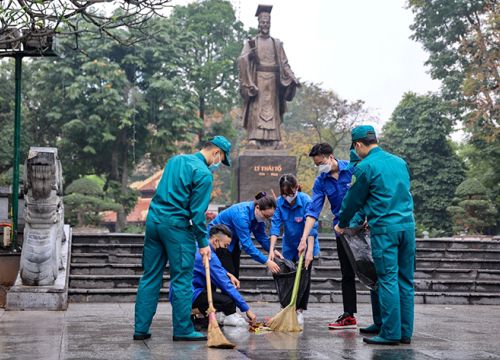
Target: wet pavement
point(104, 331)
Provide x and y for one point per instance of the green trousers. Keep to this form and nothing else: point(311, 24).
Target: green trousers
point(165, 243)
point(394, 258)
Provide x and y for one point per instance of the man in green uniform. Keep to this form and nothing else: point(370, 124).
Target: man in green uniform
point(382, 189)
point(175, 223)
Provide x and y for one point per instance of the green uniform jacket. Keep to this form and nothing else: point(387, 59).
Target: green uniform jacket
point(382, 189)
point(183, 194)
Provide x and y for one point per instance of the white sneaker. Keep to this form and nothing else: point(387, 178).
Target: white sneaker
point(234, 320)
point(300, 318)
point(220, 317)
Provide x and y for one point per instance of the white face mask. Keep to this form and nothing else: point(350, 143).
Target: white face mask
point(324, 168)
point(290, 199)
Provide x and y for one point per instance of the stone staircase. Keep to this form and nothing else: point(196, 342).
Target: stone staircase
point(107, 268)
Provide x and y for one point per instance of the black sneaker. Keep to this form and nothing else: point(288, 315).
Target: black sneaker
point(141, 336)
point(199, 323)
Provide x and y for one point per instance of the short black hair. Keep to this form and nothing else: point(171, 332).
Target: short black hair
point(220, 229)
point(264, 201)
point(324, 149)
point(367, 141)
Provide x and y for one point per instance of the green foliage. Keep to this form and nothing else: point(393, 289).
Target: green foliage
point(134, 229)
point(215, 38)
point(6, 176)
point(85, 186)
point(330, 117)
point(418, 132)
point(7, 101)
point(461, 37)
point(221, 193)
point(83, 202)
point(127, 197)
point(473, 211)
point(482, 161)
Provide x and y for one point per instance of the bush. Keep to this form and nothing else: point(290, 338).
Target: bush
point(472, 210)
point(84, 202)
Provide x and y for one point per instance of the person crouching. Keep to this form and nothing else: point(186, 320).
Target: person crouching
point(228, 299)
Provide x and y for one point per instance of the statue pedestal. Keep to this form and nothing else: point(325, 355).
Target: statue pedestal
point(260, 170)
point(53, 297)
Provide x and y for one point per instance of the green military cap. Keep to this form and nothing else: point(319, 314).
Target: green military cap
point(362, 132)
point(222, 143)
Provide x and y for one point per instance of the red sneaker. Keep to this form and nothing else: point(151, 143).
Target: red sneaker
point(345, 321)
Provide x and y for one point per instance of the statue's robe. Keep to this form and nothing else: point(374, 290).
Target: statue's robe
point(266, 83)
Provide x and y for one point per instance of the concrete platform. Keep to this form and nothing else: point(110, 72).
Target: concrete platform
point(104, 331)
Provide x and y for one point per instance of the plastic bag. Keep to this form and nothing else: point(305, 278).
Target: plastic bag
point(357, 246)
point(285, 278)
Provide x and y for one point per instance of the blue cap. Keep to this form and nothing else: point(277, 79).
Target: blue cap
point(362, 132)
point(222, 143)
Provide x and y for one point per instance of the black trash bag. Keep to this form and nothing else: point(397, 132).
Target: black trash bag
point(357, 246)
point(286, 277)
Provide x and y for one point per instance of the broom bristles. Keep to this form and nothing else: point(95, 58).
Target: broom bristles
point(216, 338)
point(286, 320)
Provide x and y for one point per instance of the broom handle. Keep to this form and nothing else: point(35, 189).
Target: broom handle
point(209, 285)
point(295, 291)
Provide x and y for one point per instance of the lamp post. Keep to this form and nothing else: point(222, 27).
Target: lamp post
point(13, 44)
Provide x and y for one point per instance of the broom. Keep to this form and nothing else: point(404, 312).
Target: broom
point(216, 338)
point(286, 320)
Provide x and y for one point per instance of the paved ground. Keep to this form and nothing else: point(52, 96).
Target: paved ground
point(104, 331)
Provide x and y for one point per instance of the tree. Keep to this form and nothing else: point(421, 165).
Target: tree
point(418, 131)
point(482, 161)
point(462, 38)
point(40, 20)
point(298, 145)
point(216, 38)
point(472, 210)
point(83, 202)
point(106, 108)
point(7, 117)
point(330, 117)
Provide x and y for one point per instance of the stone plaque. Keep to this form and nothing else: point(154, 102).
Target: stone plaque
point(261, 171)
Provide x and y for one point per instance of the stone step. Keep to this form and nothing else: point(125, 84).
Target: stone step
point(325, 296)
point(324, 240)
point(135, 250)
point(259, 270)
point(267, 282)
point(422, 273)
point(422, 262)
point(449, 271)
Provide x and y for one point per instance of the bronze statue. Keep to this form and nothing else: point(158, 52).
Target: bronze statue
point(266, 84)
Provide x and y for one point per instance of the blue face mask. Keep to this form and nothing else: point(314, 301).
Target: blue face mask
point(215, 166)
